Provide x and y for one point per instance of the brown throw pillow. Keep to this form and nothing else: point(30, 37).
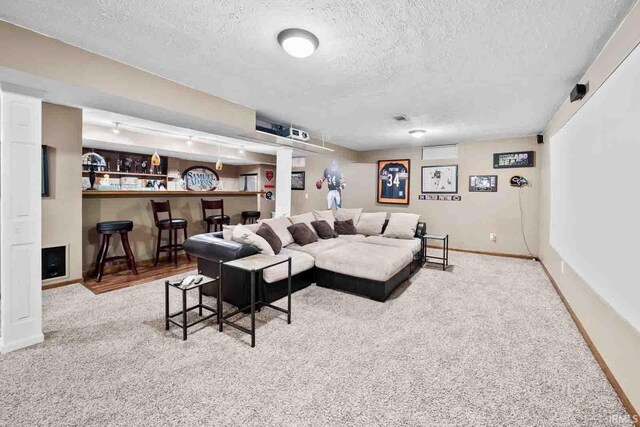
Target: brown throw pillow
point(302, 234)
point(270, 236)
point(324, 230)
point(345, 227)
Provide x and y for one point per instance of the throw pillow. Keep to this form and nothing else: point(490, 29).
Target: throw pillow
point(402, 226)
point(267, 233)
point(306, 218)
point(343, 214)
point(302, 234)
point(242, 234)
point(324, 230)
point(345, 227)
point(370, 224)
point(326, 216)
point(227, 230)
point(279, 226)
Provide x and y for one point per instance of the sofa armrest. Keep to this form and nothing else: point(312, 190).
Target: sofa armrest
point(421, 229)
point(209, 247)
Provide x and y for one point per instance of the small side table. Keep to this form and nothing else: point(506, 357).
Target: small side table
point(444, 259)
point(253, 264)
point(168, 318)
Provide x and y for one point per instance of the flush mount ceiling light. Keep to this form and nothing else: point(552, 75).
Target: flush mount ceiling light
point(297, 42)
point(418, 133)
point(116, 128)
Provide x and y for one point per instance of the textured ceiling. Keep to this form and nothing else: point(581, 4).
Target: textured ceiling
point(462, 69)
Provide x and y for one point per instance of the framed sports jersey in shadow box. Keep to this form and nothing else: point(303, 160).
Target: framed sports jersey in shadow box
point(393, 181)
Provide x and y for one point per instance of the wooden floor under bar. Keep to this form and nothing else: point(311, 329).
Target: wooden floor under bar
point(146, 273)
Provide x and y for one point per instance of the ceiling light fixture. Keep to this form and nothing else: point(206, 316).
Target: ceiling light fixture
point(297, 42)
point(116, 128)
point(190, 141)
point(219, 162)
point(418, 133)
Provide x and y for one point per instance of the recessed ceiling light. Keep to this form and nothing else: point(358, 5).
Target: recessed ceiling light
point(116, 128)
point(297, 42)
point(418, 133)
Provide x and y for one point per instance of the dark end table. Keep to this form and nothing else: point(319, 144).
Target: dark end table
point(168, 318)
point(444, 259)
point(253, 264)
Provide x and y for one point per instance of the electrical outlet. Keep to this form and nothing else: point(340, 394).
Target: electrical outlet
point(492, 237)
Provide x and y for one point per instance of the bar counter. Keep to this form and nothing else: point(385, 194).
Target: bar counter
point(103, 205)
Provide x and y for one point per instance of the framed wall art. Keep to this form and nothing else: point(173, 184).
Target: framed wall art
point(520, 159)
point(393, 181)
point(440, 179)
point(483, 183)
point(297, 180)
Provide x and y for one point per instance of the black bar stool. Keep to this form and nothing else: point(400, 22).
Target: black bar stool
point(250, 217)
point(106, 229)
point(215, 220)
point(171, 224)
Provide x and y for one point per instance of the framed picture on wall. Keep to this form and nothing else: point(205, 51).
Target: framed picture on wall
point(393, 181)
point(440, 179)
point(520, 159)
point(297, 180)
point(483, 183)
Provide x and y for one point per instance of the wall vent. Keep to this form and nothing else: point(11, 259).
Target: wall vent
point(400, 118)
point(54, 262)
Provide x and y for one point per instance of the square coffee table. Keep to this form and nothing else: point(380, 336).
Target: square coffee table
point(253, 264)
point(168, 318)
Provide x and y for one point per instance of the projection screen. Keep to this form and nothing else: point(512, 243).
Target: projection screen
point(595, 190)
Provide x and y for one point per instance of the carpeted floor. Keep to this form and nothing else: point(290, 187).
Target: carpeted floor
point(487, 344)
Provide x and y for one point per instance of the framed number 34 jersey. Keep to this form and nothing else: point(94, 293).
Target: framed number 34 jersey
point(393, 181)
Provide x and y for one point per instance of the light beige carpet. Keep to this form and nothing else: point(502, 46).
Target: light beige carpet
point(488, 344)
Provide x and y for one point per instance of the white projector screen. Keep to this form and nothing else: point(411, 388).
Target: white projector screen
point(595, 190)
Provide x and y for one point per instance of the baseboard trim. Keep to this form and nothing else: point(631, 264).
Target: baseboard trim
point(119, 266)
point(22, 343)
point(501, 254)
point(633, 413)
point(46, 286)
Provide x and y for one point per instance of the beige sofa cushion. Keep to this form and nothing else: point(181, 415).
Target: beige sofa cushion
point(402, 226)
point(352, 237)
point(365, 261)
point(279, 226)
point(306, 218)
point(325, 215)
point(242, 234)
point(414, 245)
point(227, 230)
point(370, 224)
point(343, 214)
point(299, 262)
point(315, 249)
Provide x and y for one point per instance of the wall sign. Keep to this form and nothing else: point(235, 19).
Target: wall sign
point(483, 183)
point(520, 159)
point(200, 178)
point(269, 174)
point(440, 179)
point(446, 198)
point(393, 181)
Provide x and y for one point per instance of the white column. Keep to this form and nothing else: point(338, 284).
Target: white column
point(284, 158)
point(20, 217)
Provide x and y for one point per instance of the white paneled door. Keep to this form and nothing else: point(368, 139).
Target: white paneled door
point(20, 218)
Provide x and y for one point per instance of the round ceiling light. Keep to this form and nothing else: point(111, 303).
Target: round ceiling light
point(297, 42)
point(418, 133)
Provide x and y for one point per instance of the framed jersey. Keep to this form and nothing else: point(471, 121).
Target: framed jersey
point(393, 181)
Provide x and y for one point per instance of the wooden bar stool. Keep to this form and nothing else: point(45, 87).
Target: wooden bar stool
point(173, 225)
point(250, 217)
point(215, 220)
point(106, 229)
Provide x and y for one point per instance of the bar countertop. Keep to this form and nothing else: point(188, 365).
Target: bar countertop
point(161, 193)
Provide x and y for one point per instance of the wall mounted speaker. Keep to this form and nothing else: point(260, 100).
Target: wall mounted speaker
point(540, 139)
point(578, 92)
